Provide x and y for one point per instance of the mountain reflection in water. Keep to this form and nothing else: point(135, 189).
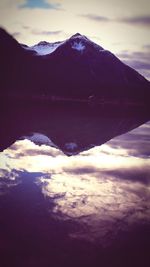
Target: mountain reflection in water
point(71, 127)
point(92, 209)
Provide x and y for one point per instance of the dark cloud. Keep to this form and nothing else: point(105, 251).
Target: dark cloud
point(15, 146)
point(40, 4)
point(79, 170)
point(147, 46)
point(41, 32)
point(130, 142)
point(136, 149)
point(4, 174)
point(138, 65)
point(137, 60)
point(133, 174)
point(95, 17)
point(18, 150)
point(38, 32)
point(8, 177)
point(16, 34)
point(35, 152)
point(135, 55)
point(138, 20)
point(25, 27)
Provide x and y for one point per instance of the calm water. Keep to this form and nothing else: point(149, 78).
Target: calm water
point(92, 209)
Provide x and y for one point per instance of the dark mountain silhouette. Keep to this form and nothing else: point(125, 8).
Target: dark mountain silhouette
point(73, 91)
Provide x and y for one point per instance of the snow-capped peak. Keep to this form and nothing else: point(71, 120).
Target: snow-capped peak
point(81, 42)
point(39, 139)
point(77, 42)
point(45, 48)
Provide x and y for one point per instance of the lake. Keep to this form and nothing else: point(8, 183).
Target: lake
point(90, 209)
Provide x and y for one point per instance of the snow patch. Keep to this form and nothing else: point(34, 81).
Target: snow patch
point(40, 139)
point(43, 49)
point(71, 146)
point(78, 46)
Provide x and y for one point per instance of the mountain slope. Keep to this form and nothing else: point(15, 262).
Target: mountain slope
point(74, 90)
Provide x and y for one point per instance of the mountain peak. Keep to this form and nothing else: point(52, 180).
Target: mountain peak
point(43, 43)
point(77, 34)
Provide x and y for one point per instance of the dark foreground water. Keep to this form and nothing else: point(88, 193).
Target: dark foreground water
point(92, 209)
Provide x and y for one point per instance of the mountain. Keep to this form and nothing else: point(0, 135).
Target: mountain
point(74, 91)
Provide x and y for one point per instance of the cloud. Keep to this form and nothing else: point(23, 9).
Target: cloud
point(137, 60)
point(19, 149)
point(39, 32)
point(6, 175)
point(42, 4)
point(139, 65)
point(95, 17)
point(136, 149)
point(134, 174)
point(36, 152)
point(130, 142)
point(80, 170)
point(135, 21)
point(138, 20)
point(25, 27)
point(16, 34)
point(147, 46)
point(137, 55)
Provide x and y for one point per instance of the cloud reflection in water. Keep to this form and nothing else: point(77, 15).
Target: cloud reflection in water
point(105, 189)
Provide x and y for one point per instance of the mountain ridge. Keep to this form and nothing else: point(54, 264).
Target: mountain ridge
point(79, 95)
point(99, 71)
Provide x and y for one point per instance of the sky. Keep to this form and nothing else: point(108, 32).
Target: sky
point(117, 25)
